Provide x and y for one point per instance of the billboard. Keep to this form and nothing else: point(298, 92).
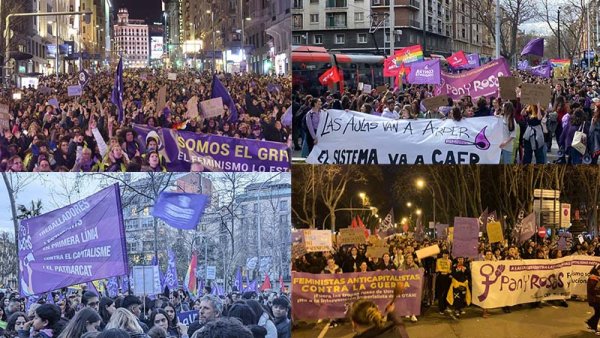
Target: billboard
point(156, 47)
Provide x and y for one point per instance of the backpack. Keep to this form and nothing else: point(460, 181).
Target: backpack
point(535, 136)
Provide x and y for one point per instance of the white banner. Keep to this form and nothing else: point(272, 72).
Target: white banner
point(349, 137)
point(507, 283)
point(74, 90)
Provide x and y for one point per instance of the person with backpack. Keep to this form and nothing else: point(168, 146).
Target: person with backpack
point(311, 123)
point(533, 138)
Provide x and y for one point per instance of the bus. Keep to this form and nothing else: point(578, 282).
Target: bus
point(309, 62)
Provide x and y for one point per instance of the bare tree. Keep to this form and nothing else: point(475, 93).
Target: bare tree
point(572, 23)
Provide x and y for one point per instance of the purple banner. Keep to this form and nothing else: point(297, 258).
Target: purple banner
point(217, 153)
point(473, 62)
point(441, 231)
point(466, 235)
point(541, 71)
point(482, 81)
point(424, 72)
point(320, 296)
point(523, 65)
point(75, 244)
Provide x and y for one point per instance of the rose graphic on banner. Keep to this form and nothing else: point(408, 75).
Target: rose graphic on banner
point(481, 141)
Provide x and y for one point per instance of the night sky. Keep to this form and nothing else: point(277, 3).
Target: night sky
point(149, 10)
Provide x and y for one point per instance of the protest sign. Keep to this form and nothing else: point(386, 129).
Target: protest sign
point(146, 280)
point(481, 81)
point(172, 76)
point(192, 107)
point(561, 72)
point(434, 103)
point(374, 240)
point(317, 240)
point(188, 317)
point(161, 101)
point(377, 251)
point(366, 88)
point(75, 244)
point(351, 236)
point(4, 117)
point(507, 283)
point(466, 237)
point(494, 231)
point(349, 137)
point(450, 231)
point(74, 90)
point(53, 102)
point(212, 107)
point(508, 87)
point(382, 89)
point(429, 251)
point(441, 231)
point(360, 86)
point(318, 296)
point(536, 93)
point(217, 153)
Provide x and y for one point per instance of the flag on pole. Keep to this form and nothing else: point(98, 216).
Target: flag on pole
point(388, 221)
point(360, 224)
point(458, 59)
point(266, 284)
point(171, 274)
point(218, 90)
point(190, 277)
point(180, 210)
point(281, 285)
point(117, 92)
point(330, 76)
point(238, 280)
point(526, 228)
point(534, 47)
point(112, 287)
point(541, 71)
point(92, 288)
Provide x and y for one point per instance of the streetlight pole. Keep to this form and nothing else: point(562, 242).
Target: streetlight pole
point(212, 21)
point(259, 225)
point(497, 32)
point(559, 32)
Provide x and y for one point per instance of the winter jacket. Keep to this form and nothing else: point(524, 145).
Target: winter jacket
point(284, 327)
point(593, 290)
point(265, 322)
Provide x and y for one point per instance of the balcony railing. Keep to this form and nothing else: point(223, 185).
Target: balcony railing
point(336, 25)
point(415, 23)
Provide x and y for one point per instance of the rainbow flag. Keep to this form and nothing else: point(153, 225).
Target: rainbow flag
point(560, 62)
point(409, 54)
point(190, 276)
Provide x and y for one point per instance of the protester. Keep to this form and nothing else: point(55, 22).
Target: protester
point(125, 320)
point(16, 322)
point(133, 305)
point(160, 318)
point(106, 310)
point(281, 308)
point(224, 328)
point(593, 298)
point(211, 309)
point(368, 321)
point(86, 320)
point(45, 324)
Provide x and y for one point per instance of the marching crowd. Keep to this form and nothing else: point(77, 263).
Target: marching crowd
point(51, 131)
point(89, 315)
point(528, 130)
point(447, 279)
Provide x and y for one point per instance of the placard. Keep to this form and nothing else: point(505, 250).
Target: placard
point(351, 236)
point(212, 107)
point(508, 86)
point(382, 89)
point(146, 280)
point(429, 251)
point(561, 72)
point(161, 101)
point(434, 103)
point(317, 240)
point(536, 93)
point(172, 76)
point(376, 241)
point(53, 102)
point(494, 231)
point(360, 86)
point(192, 107)
point(4, 117)
point(366, 88)
point(211, 272)
point(377, 251)
point(188, 317)
point(74, 90)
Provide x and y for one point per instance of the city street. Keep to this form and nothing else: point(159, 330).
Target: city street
point(523, 321)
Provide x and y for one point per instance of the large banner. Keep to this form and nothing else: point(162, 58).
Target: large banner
point(75, 244)
point(349, 137)
point(482, 81)
point(319, 296)
point(217, 153)
point(507, 283)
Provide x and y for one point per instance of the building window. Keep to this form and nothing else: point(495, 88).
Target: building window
point(318, 39)
point(336, 20)
point(314, 18)
point(298, 4)
point(336, 3)
point(361, 38)
point(283, 205)
point(359, 16)
point(340, 39)
point(314, 1)
point(297, 21)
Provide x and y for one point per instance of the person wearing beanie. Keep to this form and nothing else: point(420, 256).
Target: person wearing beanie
point(281, 307)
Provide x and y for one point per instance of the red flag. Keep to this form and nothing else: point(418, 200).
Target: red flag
point(332, 75)
point(266, 284)
point(458, 59)
point(281, 286)
point(354, 224)
point(362, 225)
point(390, 69)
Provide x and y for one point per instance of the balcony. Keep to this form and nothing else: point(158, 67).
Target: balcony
point(336, 4)
point(380, 3)
point(415, 23)
point(415, 4)
point(336, 25)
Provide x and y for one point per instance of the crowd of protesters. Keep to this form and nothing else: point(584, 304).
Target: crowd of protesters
point(447, 279)
point(68, 314)
point(51, 131)
point(528, 130)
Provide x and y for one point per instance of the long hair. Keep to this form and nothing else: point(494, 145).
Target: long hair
point(12, 320)
point(175, 321)
point(104, 303)
point(508, 111)
point(78, 325)
point(156, 313)
point(365, 313)
point(125, 320)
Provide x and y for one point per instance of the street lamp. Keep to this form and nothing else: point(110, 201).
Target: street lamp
point(421, 184)
point(418, 212)
point(409, 204)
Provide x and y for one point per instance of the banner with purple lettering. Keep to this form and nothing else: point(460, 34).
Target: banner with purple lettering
point(217, 153)
point(319, 296)
point(466, 235)
point(75, 244)
point(481, 81)
point(507, 283)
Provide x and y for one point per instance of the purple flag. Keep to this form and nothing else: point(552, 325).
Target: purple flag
point(75, 244)
point(541, 71)
point(117, 92)
point(534, 47)
point(92, 288)
point(171, 280)
point(424, 72)
point(523, 65)
point(217, 290)
point(527, 228)
point(466, 234)
point(239, 284)
point(112, 287)
point(218, 90)
point(218, 153)
point(441, 231)
point(180, 210)
point(473, 60)
point(124, 286)
point(286, 118)
point(478, 82)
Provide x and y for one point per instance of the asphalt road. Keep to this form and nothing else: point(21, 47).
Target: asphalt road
point(549, 321)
